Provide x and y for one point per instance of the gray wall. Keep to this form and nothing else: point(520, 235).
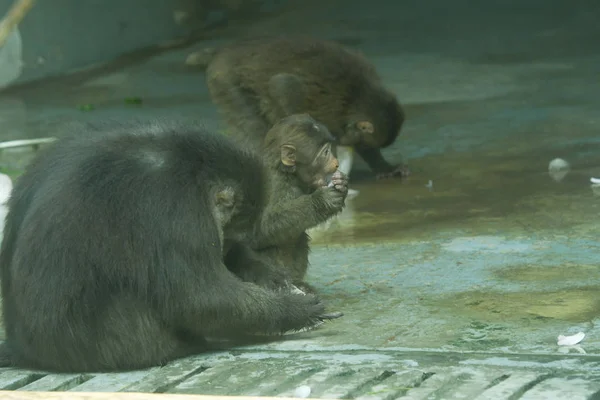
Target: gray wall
point(62, 35)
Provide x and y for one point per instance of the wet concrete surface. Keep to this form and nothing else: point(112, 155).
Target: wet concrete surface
point(494, 257)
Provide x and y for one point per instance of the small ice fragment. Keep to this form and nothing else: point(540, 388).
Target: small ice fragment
point(5, 188)
point(302, 392)
point(570, 340)
point(429, 185)
point(345, 156)
point(595, 181)
point(329, 181)
point(558, 169)
point(294, 289)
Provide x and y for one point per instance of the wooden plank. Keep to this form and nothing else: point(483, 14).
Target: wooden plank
point(13, 379)
point(280, 379)
point(393, 387)
point(563, 388)
point(9, 395)
point(318, 379)
point(55, 382)
point(168, 376)
point(112, 382)
point(213, 381)
point(509, 386)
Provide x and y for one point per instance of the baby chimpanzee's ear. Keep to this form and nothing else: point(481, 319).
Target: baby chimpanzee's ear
point(288, 155)
point(365, 127)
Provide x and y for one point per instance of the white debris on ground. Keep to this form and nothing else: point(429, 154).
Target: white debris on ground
point(558, 169)
point(294, 289)
point(302, 392)
point(570, 340)
point(595, 186)
point(5, 190)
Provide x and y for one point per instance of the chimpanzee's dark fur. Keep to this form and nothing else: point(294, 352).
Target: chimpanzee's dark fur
point(112, 252)
point(256, 82)
point(299, 200)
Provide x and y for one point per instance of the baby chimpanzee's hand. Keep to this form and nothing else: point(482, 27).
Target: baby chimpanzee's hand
point(329, 201)
point(339, 181)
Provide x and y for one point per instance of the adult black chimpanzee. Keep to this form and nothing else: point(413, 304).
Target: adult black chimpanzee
point(112, 257)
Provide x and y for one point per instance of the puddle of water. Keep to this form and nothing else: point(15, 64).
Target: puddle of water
point(575, 305)
point(485, 193)
point(492, 244)
point(550, 274)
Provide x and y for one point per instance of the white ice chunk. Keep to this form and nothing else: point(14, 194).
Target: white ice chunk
point(302, 391)
point(345, 156)
point(558, 169)
point(570, 340)
point(294, 289)
point(5, 188)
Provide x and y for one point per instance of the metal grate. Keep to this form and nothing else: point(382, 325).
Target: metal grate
point(359, 375)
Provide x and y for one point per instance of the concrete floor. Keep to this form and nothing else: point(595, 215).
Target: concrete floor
point(497, 258)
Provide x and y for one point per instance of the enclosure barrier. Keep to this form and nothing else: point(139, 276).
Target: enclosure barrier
point(35, 143)
point(14, 395)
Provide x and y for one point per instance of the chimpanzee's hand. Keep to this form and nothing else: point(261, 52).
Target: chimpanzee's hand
point(329, 201)
point(262, 271)
point(306, 312)
point(339, 181)
point(332, 198)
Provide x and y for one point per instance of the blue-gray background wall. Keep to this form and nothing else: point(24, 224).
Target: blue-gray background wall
point(61, 35)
